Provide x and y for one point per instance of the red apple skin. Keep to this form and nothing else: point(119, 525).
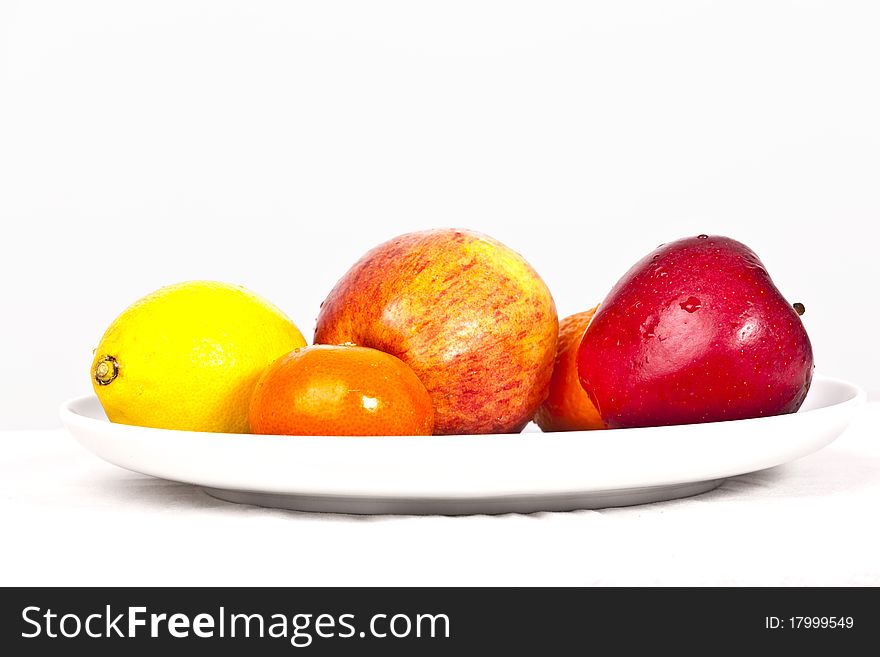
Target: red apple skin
point(469, 315)
point(695, 332)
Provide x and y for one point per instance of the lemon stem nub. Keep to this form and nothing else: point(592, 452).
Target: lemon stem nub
point(106, 370)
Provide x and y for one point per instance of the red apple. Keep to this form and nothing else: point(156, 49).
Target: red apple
point(695, 332)
point(469, 315)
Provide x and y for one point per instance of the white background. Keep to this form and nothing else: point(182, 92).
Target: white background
point(272, 143)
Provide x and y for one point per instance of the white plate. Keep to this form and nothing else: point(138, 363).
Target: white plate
point(469, 474)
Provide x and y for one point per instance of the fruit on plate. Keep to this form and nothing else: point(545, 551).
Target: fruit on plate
point(188, 357)
point(340, 391)
point(696, 331)
point(568, 407)
point(469, 315)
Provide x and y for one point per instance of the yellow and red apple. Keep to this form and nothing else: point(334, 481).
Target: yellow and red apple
point(469, 315)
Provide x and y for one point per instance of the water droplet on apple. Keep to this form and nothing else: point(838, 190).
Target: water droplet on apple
point(692, 305)
point(702, 237)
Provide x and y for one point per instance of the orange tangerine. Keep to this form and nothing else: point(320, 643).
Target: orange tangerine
point(342, 390)
point(568, 408)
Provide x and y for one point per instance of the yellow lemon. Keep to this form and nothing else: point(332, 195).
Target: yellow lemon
point(188, 357)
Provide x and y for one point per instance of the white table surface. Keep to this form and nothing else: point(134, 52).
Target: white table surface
point(72, 519)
